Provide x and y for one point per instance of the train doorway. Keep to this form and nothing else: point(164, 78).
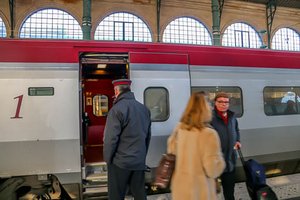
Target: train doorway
point(97, 71)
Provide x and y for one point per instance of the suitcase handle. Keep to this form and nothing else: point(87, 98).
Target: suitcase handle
point(241, 156)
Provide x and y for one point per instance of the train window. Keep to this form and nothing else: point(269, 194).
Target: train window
point(235, 93)
point(157, 101)
point(281, 100)
point(40, 91)
point(100, 105)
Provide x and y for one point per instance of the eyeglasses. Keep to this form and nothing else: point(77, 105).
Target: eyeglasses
point(225, 102)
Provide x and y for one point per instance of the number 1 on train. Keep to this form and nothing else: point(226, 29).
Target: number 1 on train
point(17, 115)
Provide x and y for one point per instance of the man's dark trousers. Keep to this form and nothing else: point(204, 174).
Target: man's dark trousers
point(119, 179)
point(228, 181)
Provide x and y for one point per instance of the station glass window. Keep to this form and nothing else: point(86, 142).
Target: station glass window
point(157, 101)
point(51, 24)
point(123, 26)
point(235, 96)
point(286, 39)
point(2, 28)
point(100, 105)
point(281, 100)
point(186, 30)
point(241, 35)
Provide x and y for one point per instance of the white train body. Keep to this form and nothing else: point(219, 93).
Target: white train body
point(43, 86)
point(46, 129)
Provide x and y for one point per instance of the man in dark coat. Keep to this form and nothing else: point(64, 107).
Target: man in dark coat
point(126, 140)
point(225, 123)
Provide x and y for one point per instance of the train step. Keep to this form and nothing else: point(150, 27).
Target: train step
point(99, 192)
point(95, 181)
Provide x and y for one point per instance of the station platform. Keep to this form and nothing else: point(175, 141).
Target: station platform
point(285, 187)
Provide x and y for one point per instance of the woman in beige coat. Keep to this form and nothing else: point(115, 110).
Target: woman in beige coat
point(198, 153)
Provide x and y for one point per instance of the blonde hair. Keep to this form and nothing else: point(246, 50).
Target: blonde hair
point(197, 113)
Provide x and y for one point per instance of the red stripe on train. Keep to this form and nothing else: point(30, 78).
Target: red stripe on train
point(56, 51)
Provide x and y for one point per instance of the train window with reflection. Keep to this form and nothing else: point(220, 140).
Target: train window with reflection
point(281, 100)
point(100, 105)
point(157, 101)
point(235, 94)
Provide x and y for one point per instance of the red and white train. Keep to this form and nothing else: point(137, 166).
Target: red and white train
point(55, 96)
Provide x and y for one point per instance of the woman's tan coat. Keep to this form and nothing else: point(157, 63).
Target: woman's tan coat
point(198, 162)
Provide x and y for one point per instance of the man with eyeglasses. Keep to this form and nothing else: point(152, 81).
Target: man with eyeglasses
point(226, 125)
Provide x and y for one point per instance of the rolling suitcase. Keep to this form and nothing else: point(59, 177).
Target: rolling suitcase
point(256, 180)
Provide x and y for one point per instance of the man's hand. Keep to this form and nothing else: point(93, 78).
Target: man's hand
point(237, 145)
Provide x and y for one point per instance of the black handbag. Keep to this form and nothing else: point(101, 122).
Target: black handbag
point(164, 171)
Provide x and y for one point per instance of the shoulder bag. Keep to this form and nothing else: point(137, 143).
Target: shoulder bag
point(165, 169)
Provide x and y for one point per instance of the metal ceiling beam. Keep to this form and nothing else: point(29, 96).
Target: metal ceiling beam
point(12, 17)
point(221, 4)
point(270, 12)
point(280, 3)
point(216, 18)
point(86, 20)
point(158, 5)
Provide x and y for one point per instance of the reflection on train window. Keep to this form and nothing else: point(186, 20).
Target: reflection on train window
point(40, 91)
point(235, 94)
point(281, 100)
point(157, 101)
point(100, 105)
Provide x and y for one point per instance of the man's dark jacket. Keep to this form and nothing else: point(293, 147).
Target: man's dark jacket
point(229, 134)
point(127, 133)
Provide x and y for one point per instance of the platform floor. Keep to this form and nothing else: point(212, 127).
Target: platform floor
point(285, 187)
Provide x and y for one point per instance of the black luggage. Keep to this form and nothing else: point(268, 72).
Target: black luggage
point(256, 180)
point(265, 193)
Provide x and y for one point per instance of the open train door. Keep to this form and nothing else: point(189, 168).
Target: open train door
point(98, 70)
point(161, 81)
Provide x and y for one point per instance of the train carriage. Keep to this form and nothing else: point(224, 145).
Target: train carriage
point(55, 96)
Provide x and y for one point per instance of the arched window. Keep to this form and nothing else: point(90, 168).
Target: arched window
point(123, 26)
point(2, 28)
point(241, 35)
point(51, 24)
point(286, 39)
point(186, 30)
